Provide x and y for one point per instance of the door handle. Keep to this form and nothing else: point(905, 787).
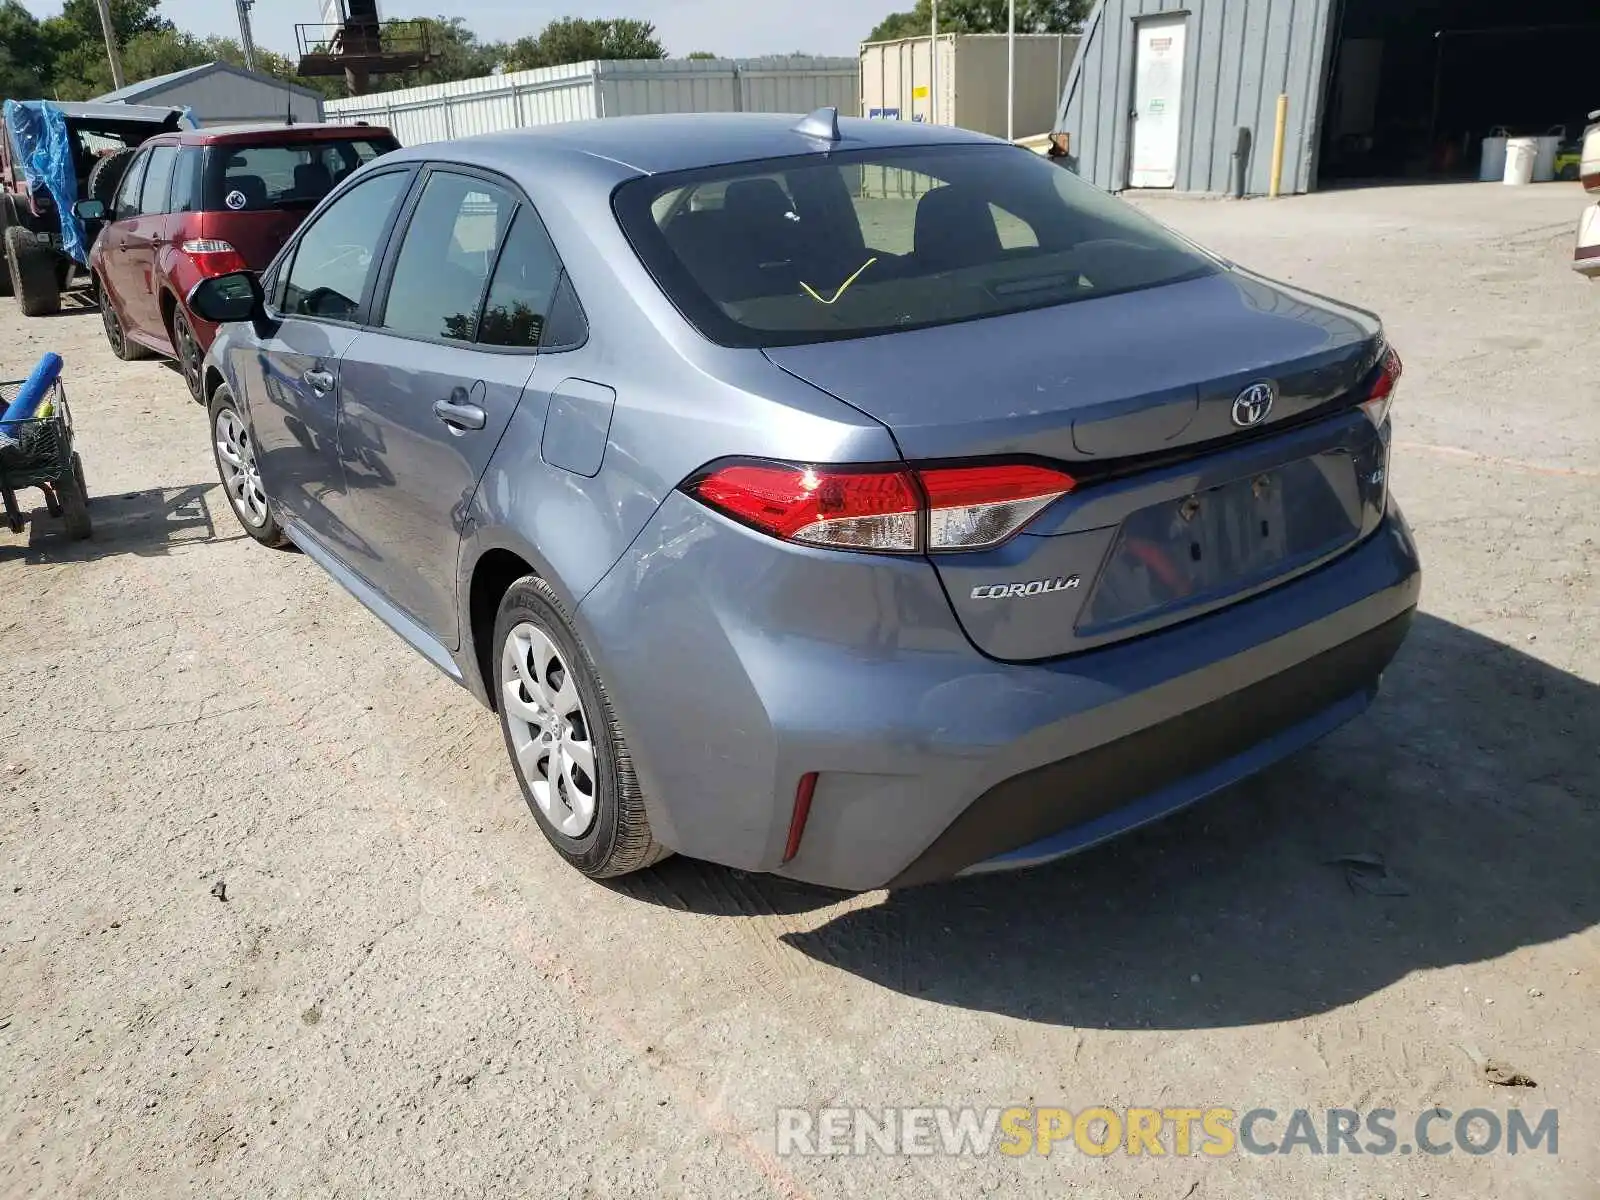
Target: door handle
point(320, 382)
point(459, 416)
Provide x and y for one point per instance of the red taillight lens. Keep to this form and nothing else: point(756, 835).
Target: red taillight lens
point(1381, 397)
point(970, 508)
point(214, 257)
point(825, 506)
point(849, 508)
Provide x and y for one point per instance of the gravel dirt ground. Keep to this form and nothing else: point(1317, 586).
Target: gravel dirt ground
point(406, 993)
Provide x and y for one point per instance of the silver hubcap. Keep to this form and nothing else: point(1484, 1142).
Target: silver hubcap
point(550, 732)
point(236, 455)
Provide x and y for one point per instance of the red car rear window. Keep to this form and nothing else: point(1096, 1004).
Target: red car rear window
point(284, 174)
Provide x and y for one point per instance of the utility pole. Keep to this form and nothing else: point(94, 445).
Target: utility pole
point(247, 41)
point(1011, 70)
point(111, 44)
point(933, 67)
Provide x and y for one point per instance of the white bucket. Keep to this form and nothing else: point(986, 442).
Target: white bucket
point(1492, 165)
point(1544, 163)
point(1520, 153)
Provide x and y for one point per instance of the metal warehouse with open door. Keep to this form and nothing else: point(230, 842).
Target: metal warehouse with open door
point(1184, 94)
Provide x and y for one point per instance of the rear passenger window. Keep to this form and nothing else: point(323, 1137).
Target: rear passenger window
point(186, 180)
point(524, 288)
point(157, 180)
point(446, 257)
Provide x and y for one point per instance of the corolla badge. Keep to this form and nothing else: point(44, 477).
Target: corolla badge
point(1251, 406)
point(1034, 587)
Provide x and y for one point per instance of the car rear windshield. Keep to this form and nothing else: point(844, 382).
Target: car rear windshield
point(795, 250)
point(283, 174)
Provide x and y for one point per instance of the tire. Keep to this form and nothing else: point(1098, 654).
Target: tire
point(8, 216)
point(116, 336)
point(615, 838)
point(190, 356)
point(75, 502)
point(241, 483)
point(106, 174)
point(33, 273)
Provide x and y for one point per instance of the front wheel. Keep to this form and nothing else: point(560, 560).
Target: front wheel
point(234, 448)
point(566, 748)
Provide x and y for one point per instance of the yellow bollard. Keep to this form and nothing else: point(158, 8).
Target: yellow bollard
point(1278, 134)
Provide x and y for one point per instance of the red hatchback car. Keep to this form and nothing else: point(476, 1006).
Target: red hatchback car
point(206, 202)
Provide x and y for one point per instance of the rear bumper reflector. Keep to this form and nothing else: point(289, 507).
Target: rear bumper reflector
point(802, 810)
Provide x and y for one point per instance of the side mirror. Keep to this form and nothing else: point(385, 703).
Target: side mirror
point(90, 210)
point(234, 297)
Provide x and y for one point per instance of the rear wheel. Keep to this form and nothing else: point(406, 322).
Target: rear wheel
point(235, 451)
point(190, 356)
point(32, 264)
point(8, 217)
point(116, 335)
point(566, 747)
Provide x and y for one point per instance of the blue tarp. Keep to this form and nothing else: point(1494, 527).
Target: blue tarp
point(39, 133)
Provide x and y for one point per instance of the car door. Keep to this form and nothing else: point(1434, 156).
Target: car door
point(429, 388)
point(316, 297)
point(143, 237)
point(113, 240)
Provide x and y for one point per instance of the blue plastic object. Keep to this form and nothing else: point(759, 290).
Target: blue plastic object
point(32, 394)
point(44, 150)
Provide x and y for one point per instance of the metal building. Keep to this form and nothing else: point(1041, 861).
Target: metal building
point(622, 87)
point(220, 93)
point(1376, 89)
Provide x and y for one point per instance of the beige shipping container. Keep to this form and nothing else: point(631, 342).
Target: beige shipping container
point(969, 87)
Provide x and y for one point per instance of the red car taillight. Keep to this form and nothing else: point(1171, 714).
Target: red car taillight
point(897, 510)
point(214, 257)
point(1379, 399)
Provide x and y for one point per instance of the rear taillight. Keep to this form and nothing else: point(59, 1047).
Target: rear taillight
point(1381, 397)
point(970, 508)
point(825, 506)
point(213, 256)
point(896, 510)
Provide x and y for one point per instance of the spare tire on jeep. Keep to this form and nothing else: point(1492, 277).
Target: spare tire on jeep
point(106, 174)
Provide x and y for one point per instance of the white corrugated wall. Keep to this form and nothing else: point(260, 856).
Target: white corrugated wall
point(577, 91)
point(441, 111)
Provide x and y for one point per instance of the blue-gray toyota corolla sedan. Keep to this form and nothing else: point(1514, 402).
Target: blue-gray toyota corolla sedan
point(869, 503)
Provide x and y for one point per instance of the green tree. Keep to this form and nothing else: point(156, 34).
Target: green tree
point(24, 62)
point(703, 54)
point(457, 53)
point(579, 39)
point(983, 16)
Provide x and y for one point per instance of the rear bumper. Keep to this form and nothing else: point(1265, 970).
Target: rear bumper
point(734, 674)
point(1067, 806)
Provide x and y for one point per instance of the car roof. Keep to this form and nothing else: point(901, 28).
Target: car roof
point(265, 134)
point(655, 144)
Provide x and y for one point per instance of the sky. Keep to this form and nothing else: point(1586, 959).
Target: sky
point(731, 28)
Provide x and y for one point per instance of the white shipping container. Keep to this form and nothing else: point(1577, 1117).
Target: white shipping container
point(626, 87)
point(969, 89)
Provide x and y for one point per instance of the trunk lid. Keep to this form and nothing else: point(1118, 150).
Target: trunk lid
point(257, 236)
point(1180, 509)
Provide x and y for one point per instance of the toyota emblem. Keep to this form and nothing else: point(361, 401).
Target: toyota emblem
point(1251, 406)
